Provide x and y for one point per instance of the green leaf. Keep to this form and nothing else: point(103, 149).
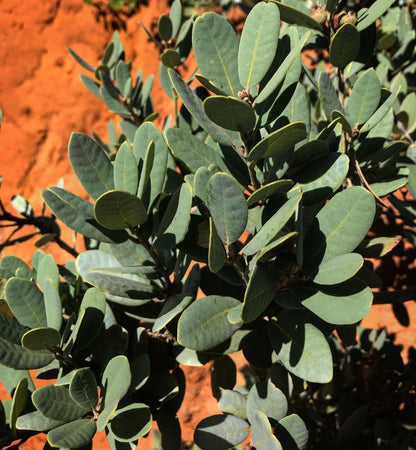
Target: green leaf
point(36, 421)
point(116, 382)
point(146, 133)
point(194, 105)
point(230, 113)
point(175, 222)
point(339, 226)
point(215, 46)
point(53, 304)
point(221, 432)
point(380, 113)
point(269, 231)
point(26, 302)
point(342, 120)
point(261, 432)
point(283, 69)
point(15, 356)
point(19, 401)
point(260, 291)
point(172, 307)
point(126, 175)
point(233, 402)
point(364, 98)
point(328, 95)
point(83, 388)
point(78, 214)
point(296, 428)
point(91, 164)
point(11, 330)
point(268, 190)
point(258, 43)
point(341, 304)
point(216, 253)
point(344, 45)
point(191, 151)
point(165, 28)
point(73, 434)
point(267, 398)
point(301, 348)
point(175, 15)
point(146, 170)
point(10, 378)
point(204, 323)
point(56, 403)
point(339, 269)
point(268, 251)
point(376, 10)
point(379, 246)
point(116, 210)
point(170, 58)
point(297, 17)
point(227, 206)
point(42, 338)
point(131, 422)
point(279, 141)
point(201, 179)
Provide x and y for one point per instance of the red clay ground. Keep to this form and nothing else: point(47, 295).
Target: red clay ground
point(43, 101)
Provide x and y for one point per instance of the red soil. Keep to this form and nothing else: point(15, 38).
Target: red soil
point(43, 101)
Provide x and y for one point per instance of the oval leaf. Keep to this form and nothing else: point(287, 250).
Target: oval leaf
point(83, 388)
point(43, 338)
point(73, 434)
point(339, 269)
point(344, 45)
point(131, 422)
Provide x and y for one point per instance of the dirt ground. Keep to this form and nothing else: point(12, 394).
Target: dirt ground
point(43, 101)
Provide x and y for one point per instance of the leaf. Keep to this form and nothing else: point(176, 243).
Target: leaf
point(90, 164)
point(342, 120)
point(339, 269)
point(379, 246)
point(301, 348)
point(10, 378)
point(376, 10)
point(221, 431)
point(344, 45)
point(191, 151)
point(15, 356)
point(268, 190)
point(131, 422)
point(19, 401)
point(339, 226)
point(267, 398)
point(73, 434)
point(258, 44)
point(83, 388)
point(42, 338)
point(261, 432)
point(78, 214)
point(216, 253)
point(145, 134)
point(53, 304)
point(283, 69)
point(194, 105)
point(380, 113)
point(215, 45)
point(341, 304)
point(269, 231)
point(204, 323)
point(279, 141)
point(26, 302)
point(233, 402)
point(328, 95)
point(227, 206)
point(175, 222)
point(295, 427)
point(36, 421)
point(230, 113)
point(175, 15)
point(146, 170)
point(268, 251)
point(172, 307)
point(126, 175)
point(260, 291)
point(56, 403)
point(165, 28)
point(170, 58)
point(11, 330)
point(297, 17)
point(364, 98)
point(116, 210)
point(116, 382)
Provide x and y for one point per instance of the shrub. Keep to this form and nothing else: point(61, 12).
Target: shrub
point(261, 191)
